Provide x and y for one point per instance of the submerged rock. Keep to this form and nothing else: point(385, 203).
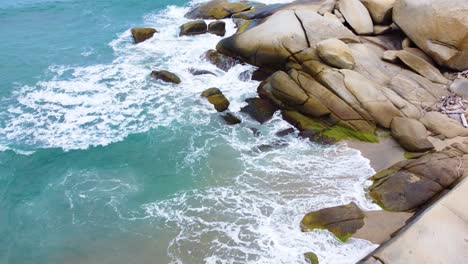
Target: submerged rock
point(166, 76)
point(196, 27)
point(437, 27)
point(200, 72)
point(421, 66)
point(142, 34)
point(216, 98)
point(343, 221)
point(259, 109)
point(220, 60)
point(217, 27)
point(231, 119)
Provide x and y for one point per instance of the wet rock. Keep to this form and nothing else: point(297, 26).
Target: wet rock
point(200, 72)
point(380, 10)
point(231, 119)
point(407, 185)
point(335, 53)
point(259, 109)
point(196, 27)
point(436, 27)
point(343, 221)
point(269, 44)
point(411, 134)
point(217, 27)
point(142, 34)
point(285, 132)
point(272, 146)
point(442, 124)
point(357, 16)
point(220, 60)
point(166, 76)
point(216, 98)
point(217, 9)
point(311, 258)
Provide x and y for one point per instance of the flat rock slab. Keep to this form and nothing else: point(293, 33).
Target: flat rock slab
point(357, 16)
point(439, 235)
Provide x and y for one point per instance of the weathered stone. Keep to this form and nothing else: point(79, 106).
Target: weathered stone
point(269, 44)
point(220, 60)
point(216, 98)
point(380, 10)
point(218, 28)
point(142, 34)
point(442, 124)
point(166, 76)
point(335, 53)
point(210, 91)
point(196, 27)
point(421, 66)
point(437, 27)
point(357, 16)
point(411, 134)
point(217, 9)
point(409, 184)
point(343, 221)
point(259, 109)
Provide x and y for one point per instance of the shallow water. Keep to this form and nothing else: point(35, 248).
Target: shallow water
point(101, 164)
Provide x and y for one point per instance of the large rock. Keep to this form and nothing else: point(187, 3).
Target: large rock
point(335, 53)
point(411, 134)
point(217, 9)
point(439, 28)
point(380, 10)
point(196, 27)
point(409, 184)
point(357, 16)
point(259, 109)
point(343, 221)
point(166, 76)
point(444, 125)
point(142, 34)
point(421, 66)
point(286, 32)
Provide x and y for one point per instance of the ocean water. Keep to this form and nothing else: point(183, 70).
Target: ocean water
point(101, 164)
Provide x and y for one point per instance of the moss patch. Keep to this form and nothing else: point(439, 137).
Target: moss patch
point(311, 258)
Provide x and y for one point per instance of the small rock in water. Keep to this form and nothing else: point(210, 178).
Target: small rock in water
point(200, 72)
point(196, 27)
point(311, 258)
point(259, 109)
point(218, 28)
point(231, 119)
point(166, 76)
point(142, 34)
point(216, 98)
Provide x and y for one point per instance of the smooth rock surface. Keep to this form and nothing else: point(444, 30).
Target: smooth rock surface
point(357, 16)
point(141, 34)
point(196, 27)
point(218, 28)
point(421, 66)
point(437, 27)
point(166, 76)
point(380, 10)
point(217, 9)
point(411, 134)
point(335, 53)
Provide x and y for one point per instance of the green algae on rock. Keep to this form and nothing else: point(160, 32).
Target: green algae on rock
point(311, 258)
point(142, 34)
point(343, 221)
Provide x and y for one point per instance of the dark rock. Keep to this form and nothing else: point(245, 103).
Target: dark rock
point(217, 27)
point(407, 185)
point(166, 76)
point(217, 9)
point(231, 119)
point(196, 27)
point(216, 98)
point(220, 60)
point(200, 72)
point(272, 146)
point(343, 221)
point(245, 76)
point(255, 131)
point(260, 75)
point(285, 132)
point(142, 34)
point(259, 109)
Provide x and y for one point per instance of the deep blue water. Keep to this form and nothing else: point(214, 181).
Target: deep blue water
point(101, 164)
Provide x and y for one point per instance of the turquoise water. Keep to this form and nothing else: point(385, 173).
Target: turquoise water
point(101, 164)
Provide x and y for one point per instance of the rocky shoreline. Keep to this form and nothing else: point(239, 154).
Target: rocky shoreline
point(386, 76)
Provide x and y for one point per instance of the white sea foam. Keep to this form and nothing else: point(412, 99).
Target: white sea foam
point(247, 217)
